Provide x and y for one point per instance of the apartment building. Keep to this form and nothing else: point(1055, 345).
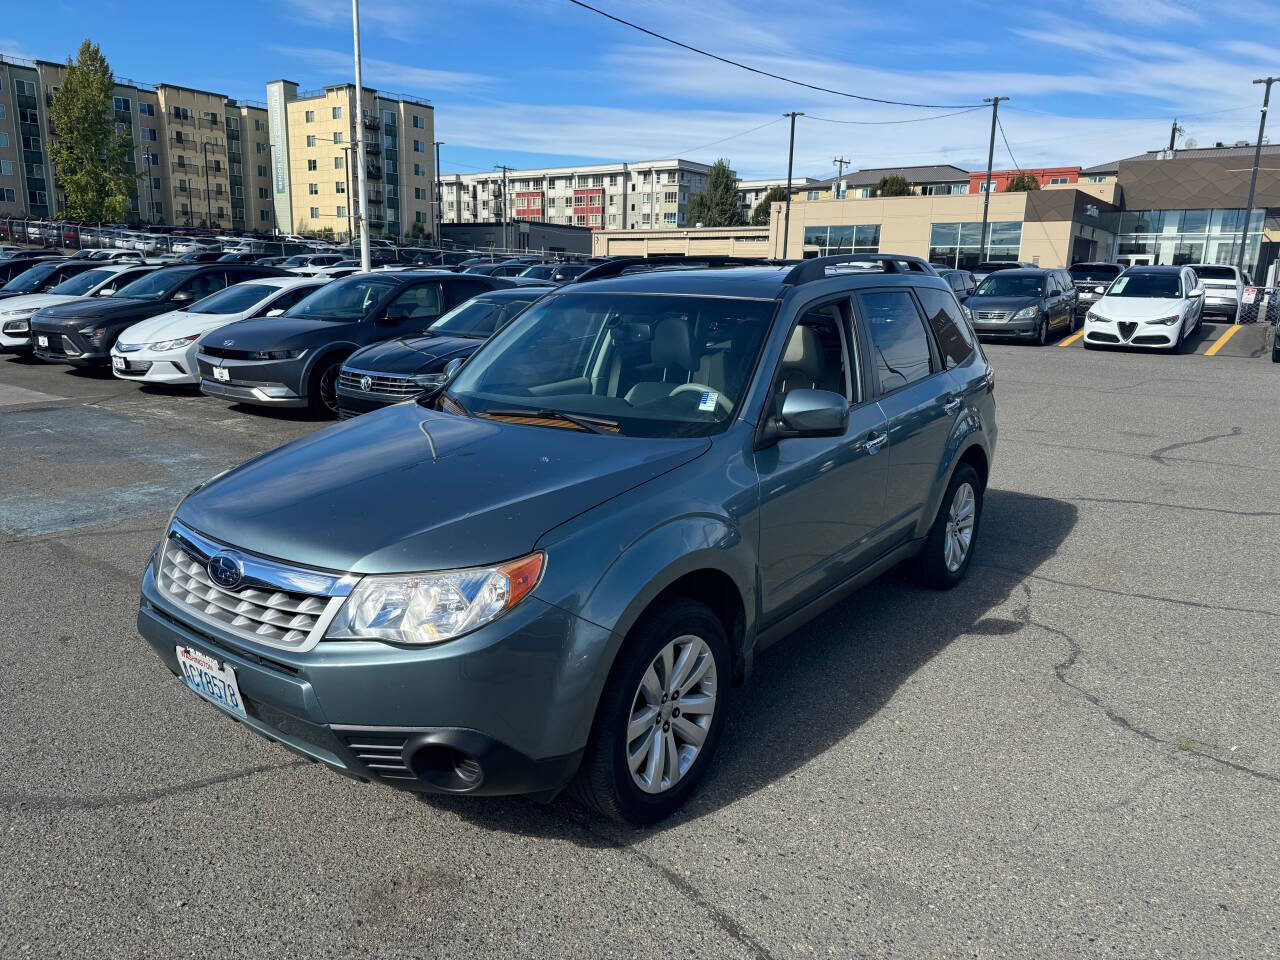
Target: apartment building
point(649, 195)
point(313, 149)
point(751, 192)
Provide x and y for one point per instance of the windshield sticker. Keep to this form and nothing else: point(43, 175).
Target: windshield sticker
point(708, 401)
point(1119, 285)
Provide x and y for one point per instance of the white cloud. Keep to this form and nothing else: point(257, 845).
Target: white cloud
point(380, 73)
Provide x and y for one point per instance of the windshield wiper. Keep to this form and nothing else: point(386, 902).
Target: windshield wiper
point(590, 424)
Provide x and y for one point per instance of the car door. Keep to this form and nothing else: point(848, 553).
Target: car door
point(821, 498)
point(920, 406)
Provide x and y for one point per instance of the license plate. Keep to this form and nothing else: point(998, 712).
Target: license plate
point(119, 363)
point(211, 680)
point(221, 373)
point(42, 341)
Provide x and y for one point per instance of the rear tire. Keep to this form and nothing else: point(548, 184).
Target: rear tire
point(954, 534)
point(670, 761)
point(322, 396)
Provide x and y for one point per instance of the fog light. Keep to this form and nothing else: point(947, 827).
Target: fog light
point(274, 392)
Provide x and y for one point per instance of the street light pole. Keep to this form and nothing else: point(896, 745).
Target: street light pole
point(365, 259)
point(208, 210)
point(1257, 157)
point(791, 152)
point(346, 162)
point(439, 194)
point(991, 153)
point(506, 203)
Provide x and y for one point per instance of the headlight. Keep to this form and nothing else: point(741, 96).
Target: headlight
point(429, 379)
point(1167, 321)
point(162, 345)
point(1095, 318)
point(968, 314)
point(1026, 313)
point(25, 312)
point(276, 355)
point(425, 608)
point(17, 326)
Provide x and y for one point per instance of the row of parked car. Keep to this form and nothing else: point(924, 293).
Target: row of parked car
point(1141, 306)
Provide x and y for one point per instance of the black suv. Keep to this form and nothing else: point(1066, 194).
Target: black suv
point(293, 360)
point(44, 275)
point(82, 334)
point(394, 370)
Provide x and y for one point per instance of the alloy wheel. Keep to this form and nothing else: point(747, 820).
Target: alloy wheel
point(671, 714)
point(328, 388)
point(960, 520)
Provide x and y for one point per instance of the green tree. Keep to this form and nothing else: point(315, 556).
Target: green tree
point(760, 215)
point(1022, 183)
point(892, 186)
point(717, 205)
point(87, 151)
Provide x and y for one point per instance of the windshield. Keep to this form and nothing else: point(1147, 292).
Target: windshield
point(234, 299)
point(478, 317)
point(1010, 285)
point(298, 261)
point(29, 280)
point(654, 366)
point(1215, 273)
point(1095, 272)
point(1160, 285)
point(83, 283)
point(155, 286)
point(543, 271)
point(350, 298)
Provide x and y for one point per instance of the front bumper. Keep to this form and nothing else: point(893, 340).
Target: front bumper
point(352, 403)
point(150, 366)
point(73, 347)
point(268, 383)
point(15, 334)
point(1112, 333)
point(1007, 328)
point(504, 710)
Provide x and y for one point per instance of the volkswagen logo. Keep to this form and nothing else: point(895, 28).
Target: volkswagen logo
point(227, 343)
point(366, 384)
point(226, 570)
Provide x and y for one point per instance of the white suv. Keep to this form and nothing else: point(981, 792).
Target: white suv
point(1223, 289)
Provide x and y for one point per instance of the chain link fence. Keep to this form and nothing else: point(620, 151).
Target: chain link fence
point(1260, 305)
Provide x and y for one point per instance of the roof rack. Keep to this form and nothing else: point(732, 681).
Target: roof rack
point(621, 265)
point(816, 267)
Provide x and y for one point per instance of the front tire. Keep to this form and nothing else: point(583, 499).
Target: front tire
point(1042, 335)
point(949, 547)
point(660, 716)
point(322, 393)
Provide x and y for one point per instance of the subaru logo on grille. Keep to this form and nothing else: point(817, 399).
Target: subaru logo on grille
point(226, 570)
point(366, 384)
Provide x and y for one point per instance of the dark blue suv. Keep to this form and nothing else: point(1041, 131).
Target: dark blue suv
point(552, 570)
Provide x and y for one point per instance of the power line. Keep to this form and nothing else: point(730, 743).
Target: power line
point(728, 138)
point(881, 123)
point(1012, 159)
point(766, 73)
point(1000, 127)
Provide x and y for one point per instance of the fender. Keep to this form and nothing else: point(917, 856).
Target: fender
point(966, 433)
point(344, 347)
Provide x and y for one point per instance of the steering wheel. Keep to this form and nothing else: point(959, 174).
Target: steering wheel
point(721, 401)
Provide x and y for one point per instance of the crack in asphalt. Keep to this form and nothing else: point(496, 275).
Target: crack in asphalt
point(1195, 604)
point(1158, 454)
point(1252, 514)
point(65, 553)
point(1063, 668)
point(20, 801)
point(1129, 454)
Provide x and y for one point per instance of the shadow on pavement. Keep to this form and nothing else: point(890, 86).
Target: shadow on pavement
point(819, 685)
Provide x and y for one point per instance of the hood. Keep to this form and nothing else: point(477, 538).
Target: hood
point(36, 301)
point(406, 488)
point(1137, 308)
point(93, 310)
point(280, 333)
point(427, 354)
point(175, 324)
point(1007, 304)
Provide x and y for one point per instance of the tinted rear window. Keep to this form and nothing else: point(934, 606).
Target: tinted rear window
point(1215, 273)
point(1104, 272)
point(949, 328)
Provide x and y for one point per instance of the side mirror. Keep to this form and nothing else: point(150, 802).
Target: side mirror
point(277, 312)
point(1099, 290)
point(395, 316)
point(183, 296)
point(452, 367)
point(1197, 292)
point(808, 413)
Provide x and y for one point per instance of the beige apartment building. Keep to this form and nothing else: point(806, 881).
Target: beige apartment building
point(314, 151)
point(651, 195)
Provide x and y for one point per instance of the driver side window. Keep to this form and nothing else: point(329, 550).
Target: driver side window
point(422, 302)
point(814, 357)
point(204, 284)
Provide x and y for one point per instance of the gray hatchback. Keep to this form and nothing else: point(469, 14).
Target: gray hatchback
point(553, 570)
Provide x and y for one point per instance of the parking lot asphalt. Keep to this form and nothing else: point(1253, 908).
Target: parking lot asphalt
point(1074, 754)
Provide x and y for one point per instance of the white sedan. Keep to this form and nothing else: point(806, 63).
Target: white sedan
point(103, 281)
point(163, 349)
point(1157, 307)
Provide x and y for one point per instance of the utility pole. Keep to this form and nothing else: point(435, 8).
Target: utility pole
point(346, 162)
point(1173, 134)
point(1257, 156)
point(439, 195)
point(365, 259)
point(840, 163)
point(791, 153)
point(506, 206)
point(991, 153)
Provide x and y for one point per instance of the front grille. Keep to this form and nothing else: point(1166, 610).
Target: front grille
point(280, 617)
point(397, 388)
point(991, 315)
point(1104, 337)
point(382, 754)
point(136, 368)
point(1126, 329)
point(1150, 340)
point(224, 353)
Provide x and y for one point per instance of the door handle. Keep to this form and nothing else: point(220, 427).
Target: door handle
point(952, 405)
point(874, 442)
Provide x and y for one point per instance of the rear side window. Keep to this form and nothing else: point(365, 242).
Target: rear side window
point(898, 337)
point(955, 343)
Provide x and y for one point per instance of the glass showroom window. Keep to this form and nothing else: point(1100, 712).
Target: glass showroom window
point(960, 244)
point(1175, 237)
point(863, 238)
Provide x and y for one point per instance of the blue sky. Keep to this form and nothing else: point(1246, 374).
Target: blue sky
point(543, 82)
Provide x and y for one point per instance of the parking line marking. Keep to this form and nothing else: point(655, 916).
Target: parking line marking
point(1071, 339)
point(1221, 341)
